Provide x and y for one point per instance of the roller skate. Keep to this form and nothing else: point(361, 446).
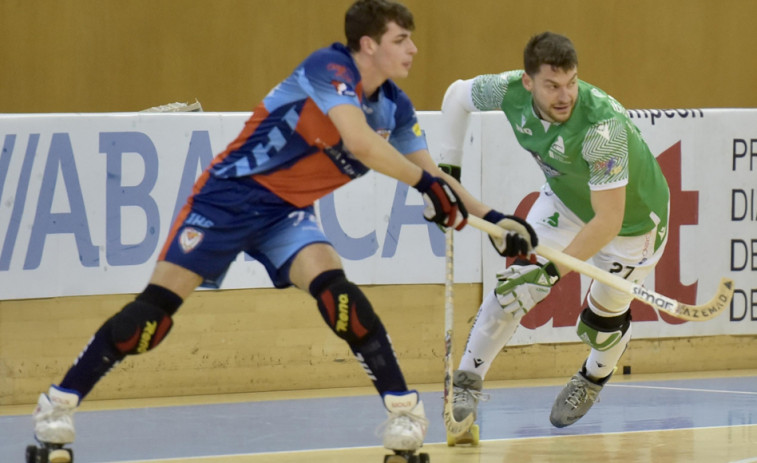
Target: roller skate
point(466, 390)
point(405, 427)
point(576, 398)
point(53, 427)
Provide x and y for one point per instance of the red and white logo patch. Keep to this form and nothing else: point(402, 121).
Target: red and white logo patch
point(190, 238)
point(343, 88)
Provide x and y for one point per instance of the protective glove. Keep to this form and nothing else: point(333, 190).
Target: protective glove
point(443, 206)
point(521, 287)
point(520, 239)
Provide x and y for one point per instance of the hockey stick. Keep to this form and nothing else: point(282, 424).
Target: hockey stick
point(454, 427)
point(694, 313)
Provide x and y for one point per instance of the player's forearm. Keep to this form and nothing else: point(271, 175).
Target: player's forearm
point(590, 240)
point(609, 210)
point(474, 206)
point(370, 148)
point(455, 109)
point(380, 156)
point(423, 159)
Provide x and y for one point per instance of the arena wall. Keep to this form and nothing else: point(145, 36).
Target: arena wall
point(270, 340)
point(250, 337)
point(110, 55)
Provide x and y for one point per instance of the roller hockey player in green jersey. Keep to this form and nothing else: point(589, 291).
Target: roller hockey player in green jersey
point(605, 198)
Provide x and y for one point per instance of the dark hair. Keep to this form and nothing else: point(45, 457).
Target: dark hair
point(549, 48)
point(371, 17)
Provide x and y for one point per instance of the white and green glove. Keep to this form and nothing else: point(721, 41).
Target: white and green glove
point(521, 287)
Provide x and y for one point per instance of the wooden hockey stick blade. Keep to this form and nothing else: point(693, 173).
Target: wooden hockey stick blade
point(454, 427)
point(689, 312)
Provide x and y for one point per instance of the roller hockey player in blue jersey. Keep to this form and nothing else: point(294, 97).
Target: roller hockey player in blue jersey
point(336, 116)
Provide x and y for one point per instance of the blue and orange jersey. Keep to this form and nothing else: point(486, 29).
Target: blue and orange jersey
point(289, 144)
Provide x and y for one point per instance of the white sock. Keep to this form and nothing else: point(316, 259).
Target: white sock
point(491, 330)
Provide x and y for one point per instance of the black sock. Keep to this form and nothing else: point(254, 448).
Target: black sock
point(377, 356)
point(95, 361)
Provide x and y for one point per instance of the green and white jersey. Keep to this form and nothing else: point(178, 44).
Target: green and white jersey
point(598, 148)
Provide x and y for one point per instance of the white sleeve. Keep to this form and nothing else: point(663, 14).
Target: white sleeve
point(456, 106)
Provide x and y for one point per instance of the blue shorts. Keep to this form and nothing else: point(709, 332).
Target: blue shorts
point(229, 216)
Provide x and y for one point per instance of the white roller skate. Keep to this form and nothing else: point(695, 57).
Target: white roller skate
point(405, 428)
point(53, 427)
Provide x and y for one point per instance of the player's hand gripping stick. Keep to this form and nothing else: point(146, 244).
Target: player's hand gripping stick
point(706, 311)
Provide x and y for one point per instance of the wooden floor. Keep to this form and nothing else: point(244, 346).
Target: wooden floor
point(693, 418)
point(705, 445)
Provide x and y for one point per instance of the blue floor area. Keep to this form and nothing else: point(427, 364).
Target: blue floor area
point(323, 423)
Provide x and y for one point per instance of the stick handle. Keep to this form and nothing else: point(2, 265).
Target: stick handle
point(449, 280)
point(453, 426)
point(690, 312)
point(560, 258)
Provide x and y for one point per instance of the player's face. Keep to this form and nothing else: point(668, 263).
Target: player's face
point(394, 55)
point(555, 92)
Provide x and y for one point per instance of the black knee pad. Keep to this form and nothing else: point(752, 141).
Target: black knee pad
point(142, 324)
point(590, 325)
point(343, 306)
point(607, 324)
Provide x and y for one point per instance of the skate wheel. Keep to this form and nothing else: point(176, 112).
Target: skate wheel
point(31, 454)
point(61, 456)
point(407, 456)
point(41, 455)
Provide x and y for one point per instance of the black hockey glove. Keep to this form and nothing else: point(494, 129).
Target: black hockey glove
point(521, 238)
point(443, 206)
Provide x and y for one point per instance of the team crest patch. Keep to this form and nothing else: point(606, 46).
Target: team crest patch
point(343, 88)
point(190, 238)
point(610, 166)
